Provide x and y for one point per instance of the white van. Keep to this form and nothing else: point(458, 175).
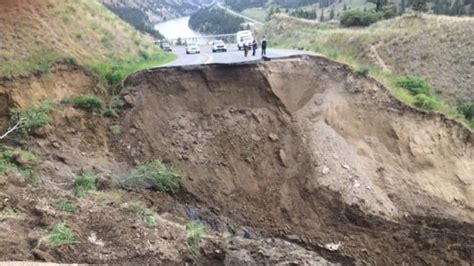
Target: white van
point(243, 37)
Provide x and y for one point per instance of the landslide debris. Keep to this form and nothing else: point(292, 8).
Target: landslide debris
point(305, 146)
point(296, 160)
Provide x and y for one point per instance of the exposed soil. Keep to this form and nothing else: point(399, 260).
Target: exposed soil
point(284, 161)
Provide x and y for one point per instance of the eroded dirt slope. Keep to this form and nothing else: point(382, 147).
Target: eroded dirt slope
point(304, 147)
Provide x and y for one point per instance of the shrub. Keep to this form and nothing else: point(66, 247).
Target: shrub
point(110, 112)
point(61, 235)
point(145, 214)
point(88, 102)
point(84, 183)
point(116, 130)
point(7, 157)
point(364, 71)
point(414, 85)
point(32, 118)
point(66, 206)
point(466, 109)
point(425, 102)
point(195, 234)
point(161, 177)
point(357, 18)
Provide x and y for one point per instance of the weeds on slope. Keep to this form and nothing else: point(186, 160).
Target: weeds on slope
point(195, 234)
point(62, 235)
point(145, 214)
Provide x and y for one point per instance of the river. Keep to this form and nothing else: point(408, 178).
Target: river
point(176, 28)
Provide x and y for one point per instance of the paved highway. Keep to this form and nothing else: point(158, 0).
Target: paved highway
point(233, 55)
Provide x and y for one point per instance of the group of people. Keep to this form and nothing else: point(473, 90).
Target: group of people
point(254, 46)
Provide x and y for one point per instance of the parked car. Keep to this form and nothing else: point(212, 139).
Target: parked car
point(219, 46)
point(166, 47)
point(192, 49)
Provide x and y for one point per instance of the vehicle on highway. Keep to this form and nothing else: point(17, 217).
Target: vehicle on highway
point(165, 46)
point(244, 37)
point(192, 48)
point(219, 46)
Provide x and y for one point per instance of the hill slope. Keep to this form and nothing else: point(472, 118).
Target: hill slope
point(36, 33)
point(436, 48)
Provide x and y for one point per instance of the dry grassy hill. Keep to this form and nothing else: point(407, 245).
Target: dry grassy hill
point(36, 33)
point(438, 49)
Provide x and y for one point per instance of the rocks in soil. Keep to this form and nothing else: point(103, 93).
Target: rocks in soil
point(273, 137)
point(283, 158)
point(104, 183)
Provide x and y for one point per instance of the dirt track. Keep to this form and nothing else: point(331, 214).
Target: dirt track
point(301, 149)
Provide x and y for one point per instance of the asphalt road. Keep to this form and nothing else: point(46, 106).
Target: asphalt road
point(233, 55)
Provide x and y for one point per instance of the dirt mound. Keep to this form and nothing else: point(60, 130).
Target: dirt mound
point(305, 147)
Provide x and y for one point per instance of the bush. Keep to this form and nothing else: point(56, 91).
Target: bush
point(154, 175)
point(84, 183)
point(7, 158)
point(61, 235)
point(357, 18)
point(32, 118)
point(196, 233)
point(364, 71)
point(88, 102)
point(110, 112)
point(414, 85)
point(66, 206)
point(466, 109)
point(161, 177)
point(145, 214)
point(425, 102)
point(116, 130)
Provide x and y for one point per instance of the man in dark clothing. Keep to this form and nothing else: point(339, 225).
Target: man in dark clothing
point(264, 47)
point(246, 49)
point(254, 46)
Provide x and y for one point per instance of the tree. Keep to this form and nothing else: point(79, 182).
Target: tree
point(331, 15)
point(403, 6)
point(379, 4)
point(321, 18)
point(420, 5)
point(345, 7)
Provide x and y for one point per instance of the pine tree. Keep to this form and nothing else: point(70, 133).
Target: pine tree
point(331, 15)
point(321, 17)
point(420, 5)
point(403, 6)
point(345, 7)
point(379, 4)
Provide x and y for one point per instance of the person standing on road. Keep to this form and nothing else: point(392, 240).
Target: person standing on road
point(254, 47)
point(246, 49)
point(264, 46)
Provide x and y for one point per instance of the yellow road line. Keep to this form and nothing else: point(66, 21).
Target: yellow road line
point(209, 60)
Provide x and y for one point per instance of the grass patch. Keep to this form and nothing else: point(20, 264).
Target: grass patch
point(114, 72)
point(161, 177)
point(145, 214)
point(84, 183)
point(110, 112)
point(40, 62)
point(195, 234)
point(66, 205)
point(33, 118)
point(116, 131)
point(9, 213)
point(61, 235)
point(414, 85)
point(7, 159)
point(88, 102)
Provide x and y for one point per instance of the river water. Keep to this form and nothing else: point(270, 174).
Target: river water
point(176, 28)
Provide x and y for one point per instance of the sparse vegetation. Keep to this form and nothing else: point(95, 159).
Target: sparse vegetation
point(31, 119)
point(61, 235)
point(88, 102)
point(66, 205)
point(195, 234)
point(113, 73)
point(110, 112)
point(358, 18)
point(425, 102)
point(116, 131)
point(161, 177)
point(8, 163)
point(145, 214)
point(153, 175)
point(364, 71)
point(414, 85)
point(84, 183)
